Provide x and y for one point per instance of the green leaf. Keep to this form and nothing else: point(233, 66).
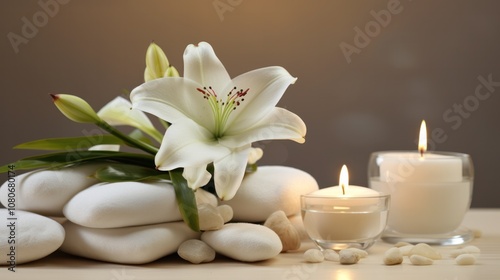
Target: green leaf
point(57, 160)
point(70, 143)
point(118, 172)
point(186, 200)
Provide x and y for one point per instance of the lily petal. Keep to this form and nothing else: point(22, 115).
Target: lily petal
point(173, 99)
point(119, 112)
point(187, 144)
point(196, 176)
point(266, 87)
point(279, 124)
point(204, 67)
point(229, 172)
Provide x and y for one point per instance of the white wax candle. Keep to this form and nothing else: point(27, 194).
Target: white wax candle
point(350, 191)
point(412, 167)
point(357, 215)
point(428, 194)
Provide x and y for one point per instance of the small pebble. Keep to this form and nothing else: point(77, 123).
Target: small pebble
point(405, 250)
point(226, 212)
point(313, 256)
point(465, 259)
point(196, 251)
point(477, 233)
point(288, 234)
point(471, 249)
point(347, 256)
point(401, 244)
point(359, 252)
point(425, 250)
point(244, 242)
point(420, 260)
point(331, 255)
point(393, 256)
point(209, 217)
point(466, 250)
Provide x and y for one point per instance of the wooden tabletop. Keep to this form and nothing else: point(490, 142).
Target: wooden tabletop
point(289, 266)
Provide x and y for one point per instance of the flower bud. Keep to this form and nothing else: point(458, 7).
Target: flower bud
point(171, 72)
point(156, 63)
point(75, 108)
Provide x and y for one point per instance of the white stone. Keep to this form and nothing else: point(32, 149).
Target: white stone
point(196, 251)
point(313, 256)
point(226, 212)
point(122, 204)
point(420, 260)
point(209, 217)
point(471, 249)
point(393, 256)
point(457, 252)
point(465, 250)
point(203, 196)
point(45, 192)
point(425, 250)
point(405, 250)
point(35, 236)
point(244, 242)
point(287, 233)
point(331, 255)
point(130, 245)
point(298, 223)
point(269, 189)
point(361, 253)
point(465, 259)
point(348, 257)
point(401, 244)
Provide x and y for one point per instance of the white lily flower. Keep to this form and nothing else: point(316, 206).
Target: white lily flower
point(215, 118)
point(119, 111)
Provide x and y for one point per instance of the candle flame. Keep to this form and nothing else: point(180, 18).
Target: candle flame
point(344, 179)
point(422, 141)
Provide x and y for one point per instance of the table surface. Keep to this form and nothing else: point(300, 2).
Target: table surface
point(285, 266)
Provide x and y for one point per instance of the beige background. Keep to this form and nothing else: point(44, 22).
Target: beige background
point(426, 59)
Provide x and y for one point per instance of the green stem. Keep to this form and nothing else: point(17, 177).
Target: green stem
point(130, 141)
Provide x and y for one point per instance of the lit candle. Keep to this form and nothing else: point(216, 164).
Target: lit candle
point(342, 216)
point(429, 194)
point(419, 166)
point(344, 189)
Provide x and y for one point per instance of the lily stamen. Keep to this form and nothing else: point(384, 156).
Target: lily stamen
point(221, 109)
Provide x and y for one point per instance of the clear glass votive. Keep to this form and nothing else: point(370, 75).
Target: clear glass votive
point(430, 195)
point(343, 222)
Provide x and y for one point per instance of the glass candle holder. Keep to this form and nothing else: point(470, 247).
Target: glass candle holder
point(343, 222)
point(430, 195)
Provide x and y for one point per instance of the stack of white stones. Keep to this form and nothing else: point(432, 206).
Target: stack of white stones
point(139, 222)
